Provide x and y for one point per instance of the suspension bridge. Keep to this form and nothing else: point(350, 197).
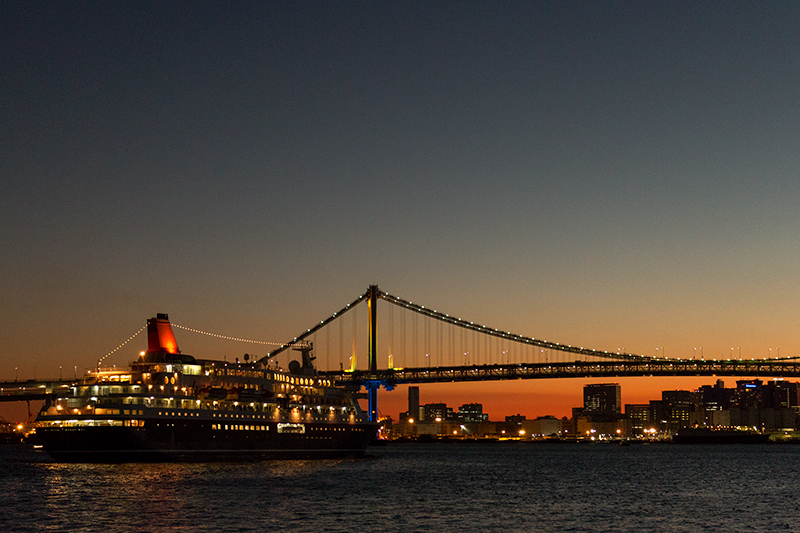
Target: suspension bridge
point(423, 345)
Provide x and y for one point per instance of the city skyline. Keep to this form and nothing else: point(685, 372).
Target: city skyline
point(551, 404)
point(617, 175)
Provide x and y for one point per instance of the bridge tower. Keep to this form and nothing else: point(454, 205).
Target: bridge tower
point(372, 386)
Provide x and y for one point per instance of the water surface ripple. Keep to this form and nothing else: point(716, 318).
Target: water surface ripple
point(424, 487)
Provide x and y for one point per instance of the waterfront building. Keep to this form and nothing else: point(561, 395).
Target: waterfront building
point(780, 394)
point(639, 416)
point(748, 395)
point(586, 427)
point(677, 408)
point(717, 418)
point(602, 399)
point(415, 411)
point(472, 412)
point(437, 412)
point(413, 402)
point(764, 419)
point(716, 397)
point(601, 411)
point(543, 426)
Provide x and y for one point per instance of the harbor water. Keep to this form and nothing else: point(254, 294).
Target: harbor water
point(508, 486)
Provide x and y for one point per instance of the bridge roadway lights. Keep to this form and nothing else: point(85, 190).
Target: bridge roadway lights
point(372, 386)
point(577, 369)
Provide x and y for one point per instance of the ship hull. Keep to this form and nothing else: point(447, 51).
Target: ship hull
point(719, 437)
point(196, 441)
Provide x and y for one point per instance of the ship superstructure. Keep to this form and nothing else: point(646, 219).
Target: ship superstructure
point(172, 406)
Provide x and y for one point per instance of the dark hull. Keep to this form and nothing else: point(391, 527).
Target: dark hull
point(197, 441)
point(720, 437)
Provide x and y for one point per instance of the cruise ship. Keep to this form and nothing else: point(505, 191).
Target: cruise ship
point(169, 406)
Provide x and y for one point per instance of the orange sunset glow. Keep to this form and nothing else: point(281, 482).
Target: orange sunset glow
point(554, 170)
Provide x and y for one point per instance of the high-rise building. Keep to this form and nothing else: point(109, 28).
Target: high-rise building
point(678, 406)
point(472, 412)
point(716, 397)
point(748, 394)
point(413, 403)
point(437, 412)
point(602, 399)
point(780, 394)
point(639, 415)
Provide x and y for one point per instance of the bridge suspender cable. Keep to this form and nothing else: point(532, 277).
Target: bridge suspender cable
point(507, 334)
point(316, 328)
point(527, 340)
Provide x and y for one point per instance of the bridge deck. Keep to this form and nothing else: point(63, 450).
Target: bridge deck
point(576, 369)
point(13, 391)
point(16, 391)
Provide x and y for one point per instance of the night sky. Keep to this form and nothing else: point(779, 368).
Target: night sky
point(615, 174)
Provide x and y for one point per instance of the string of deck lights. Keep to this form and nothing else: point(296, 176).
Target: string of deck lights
point(121, 345)
point(227, 337)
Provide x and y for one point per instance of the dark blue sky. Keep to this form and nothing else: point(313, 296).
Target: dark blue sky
point(617, 173)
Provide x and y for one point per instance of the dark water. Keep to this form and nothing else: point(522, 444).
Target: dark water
point(426, 487)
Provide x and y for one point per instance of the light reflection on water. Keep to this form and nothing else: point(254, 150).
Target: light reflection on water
point(430, 487)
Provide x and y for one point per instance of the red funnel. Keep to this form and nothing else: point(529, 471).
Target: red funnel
point(159, 335)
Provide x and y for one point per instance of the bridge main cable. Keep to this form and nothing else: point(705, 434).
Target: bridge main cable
point(508, 335)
